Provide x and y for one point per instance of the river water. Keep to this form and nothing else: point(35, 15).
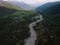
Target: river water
point(33, 36)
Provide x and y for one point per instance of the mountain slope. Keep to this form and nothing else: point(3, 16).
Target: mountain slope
point(48, 30)
point(9, 5)
point(14, 24)
point(50, 12)
point(47, 5)
point(7, 8)
point(22, 5)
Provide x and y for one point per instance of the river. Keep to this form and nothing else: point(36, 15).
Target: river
point(33, 36)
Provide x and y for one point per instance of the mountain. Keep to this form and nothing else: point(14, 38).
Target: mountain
point(14, 22)
point(50, 24)
point(47, 5)
point(51, 12)
point(23, 5)
point(9, 5)
point(7, 8)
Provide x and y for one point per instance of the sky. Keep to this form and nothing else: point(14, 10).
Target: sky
point(34, 1)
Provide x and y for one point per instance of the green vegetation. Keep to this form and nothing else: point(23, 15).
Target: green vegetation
point(12, 32)
point(47, 35)
point(14, 27)
point(14, 24)
point(49, 29)
point(50, 12)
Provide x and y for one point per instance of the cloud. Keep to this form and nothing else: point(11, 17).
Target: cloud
point(33, 1)
point(0, 0)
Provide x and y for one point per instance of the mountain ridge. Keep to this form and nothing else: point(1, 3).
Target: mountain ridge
point(9, 5)
point(23, 5)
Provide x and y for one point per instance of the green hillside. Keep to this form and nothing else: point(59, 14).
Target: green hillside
point(48, 30)
point(14, 24)
point(9, 5)
point(50, 12)
point(7, 8)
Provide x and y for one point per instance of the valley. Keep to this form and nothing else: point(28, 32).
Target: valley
point(24, 25)
point(33, 36)
point(14, 25)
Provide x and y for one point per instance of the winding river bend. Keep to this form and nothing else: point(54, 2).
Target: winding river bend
point(33, 36)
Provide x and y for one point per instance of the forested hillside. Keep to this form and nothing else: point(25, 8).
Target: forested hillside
point(14, 24)
point(50, 12)
point(49, 29)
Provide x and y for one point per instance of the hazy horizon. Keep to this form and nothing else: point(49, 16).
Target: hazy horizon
point(34, 2)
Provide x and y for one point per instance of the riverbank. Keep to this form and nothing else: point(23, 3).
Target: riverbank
point(33, 36)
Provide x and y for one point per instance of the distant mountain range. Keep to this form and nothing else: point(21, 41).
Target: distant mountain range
point(20, 5)
point(23, 5)
point(7, 9)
